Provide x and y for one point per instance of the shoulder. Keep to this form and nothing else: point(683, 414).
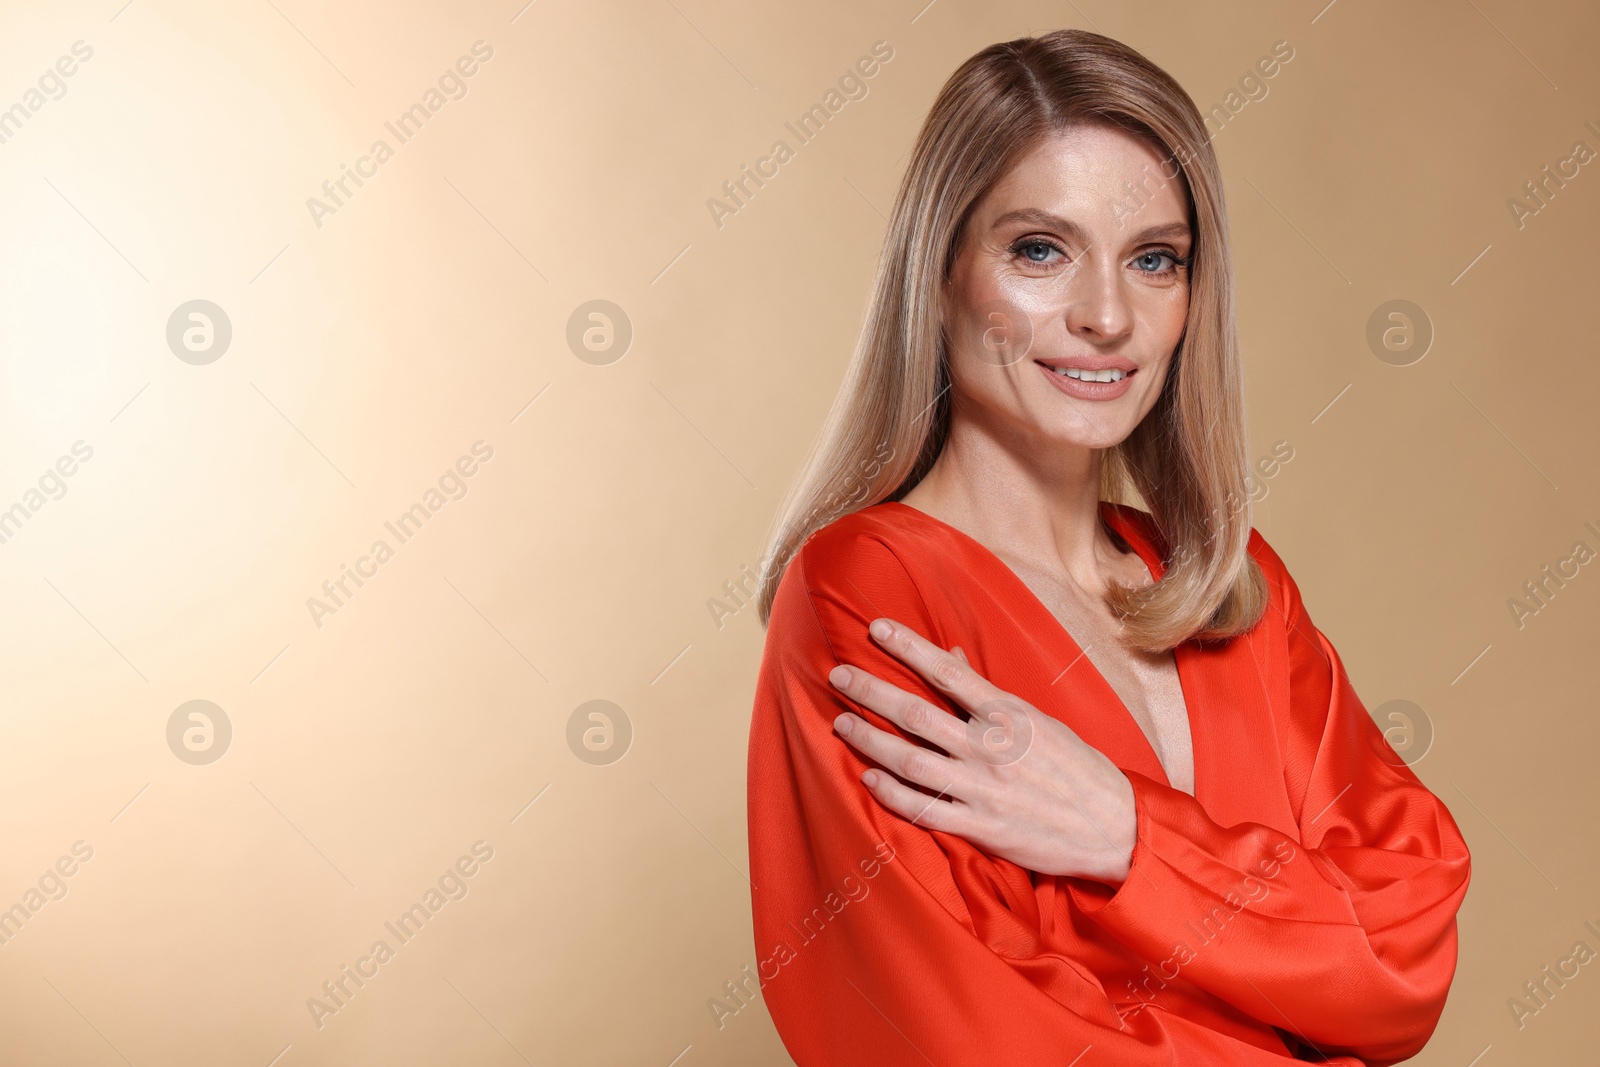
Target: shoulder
point(871, 563)
point(1284, 604)
point(871, 537)
point(878, 550)
point(1272, 567)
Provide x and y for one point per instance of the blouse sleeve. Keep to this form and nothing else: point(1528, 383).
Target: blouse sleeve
point(1343, 934)
point(869, 950)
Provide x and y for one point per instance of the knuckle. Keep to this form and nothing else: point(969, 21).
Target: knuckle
point(946, 671)
point(915, 765)
point(918, 715)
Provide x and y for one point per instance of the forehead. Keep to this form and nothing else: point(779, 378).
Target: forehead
point(1083, 171)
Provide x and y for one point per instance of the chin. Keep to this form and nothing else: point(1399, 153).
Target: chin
point(1075, 433)
point(1097, 440)
point(1086, 424)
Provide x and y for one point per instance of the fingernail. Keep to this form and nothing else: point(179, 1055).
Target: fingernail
point(881, 629)
point(840, 676)
point(842, 724)
point(870, 779)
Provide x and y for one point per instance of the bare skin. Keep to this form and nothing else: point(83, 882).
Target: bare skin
point(1055, 270)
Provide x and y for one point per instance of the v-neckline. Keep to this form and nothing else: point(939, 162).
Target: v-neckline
point(1147, 552)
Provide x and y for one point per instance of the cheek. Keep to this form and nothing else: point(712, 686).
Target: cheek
point(987, 327)
point(970, 376)
point(1167, 316)
point(1162, 322)
point(1000, 391)
point(1153, 387)
point(973, 297)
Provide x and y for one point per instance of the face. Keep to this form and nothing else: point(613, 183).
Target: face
point(1069, 291)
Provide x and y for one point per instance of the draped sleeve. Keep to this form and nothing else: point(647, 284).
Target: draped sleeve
point(1343, 934)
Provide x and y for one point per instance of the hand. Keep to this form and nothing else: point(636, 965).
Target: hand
point(1012, 780)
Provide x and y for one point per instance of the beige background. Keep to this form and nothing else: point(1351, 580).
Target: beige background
point(369, 352)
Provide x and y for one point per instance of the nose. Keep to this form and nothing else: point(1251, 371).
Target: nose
point(1097, 307)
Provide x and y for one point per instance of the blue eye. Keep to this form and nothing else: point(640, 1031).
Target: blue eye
point(1150, 262)
point(1037, 251)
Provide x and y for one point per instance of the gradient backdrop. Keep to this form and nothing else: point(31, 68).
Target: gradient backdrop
point(225, 383)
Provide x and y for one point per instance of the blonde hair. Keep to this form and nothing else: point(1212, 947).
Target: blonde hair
point(1186, 459)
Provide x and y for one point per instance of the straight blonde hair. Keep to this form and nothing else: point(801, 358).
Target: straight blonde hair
point(1186, 459)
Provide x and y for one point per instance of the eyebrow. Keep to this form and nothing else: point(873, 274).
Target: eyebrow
point(1053, 221)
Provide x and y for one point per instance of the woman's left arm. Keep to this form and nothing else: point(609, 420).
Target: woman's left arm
point(1344, 936)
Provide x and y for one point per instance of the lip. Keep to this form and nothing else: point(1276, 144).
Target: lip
point(1121, 363)
point(1088, 390)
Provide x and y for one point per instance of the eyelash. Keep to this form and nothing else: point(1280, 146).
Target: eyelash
point(1177, 261)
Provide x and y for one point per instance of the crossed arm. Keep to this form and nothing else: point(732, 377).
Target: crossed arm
point(967, 953)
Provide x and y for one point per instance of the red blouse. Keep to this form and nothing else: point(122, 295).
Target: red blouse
point(1300, 904)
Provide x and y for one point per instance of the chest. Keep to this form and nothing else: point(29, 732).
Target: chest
point(1147, 683)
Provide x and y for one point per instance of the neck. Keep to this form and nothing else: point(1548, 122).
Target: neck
point(1027, 499)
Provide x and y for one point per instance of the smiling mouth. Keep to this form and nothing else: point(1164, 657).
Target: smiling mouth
point(1103, 384)
point(1112, 374)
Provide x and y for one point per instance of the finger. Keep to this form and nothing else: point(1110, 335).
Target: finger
point(910, 761)
point(906, 710)
point(943, 670)
point(956, 651)
point(930, 813)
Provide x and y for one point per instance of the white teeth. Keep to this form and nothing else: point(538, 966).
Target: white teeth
point(1112, 375)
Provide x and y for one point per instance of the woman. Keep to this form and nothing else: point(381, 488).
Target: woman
point(1091, 788)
